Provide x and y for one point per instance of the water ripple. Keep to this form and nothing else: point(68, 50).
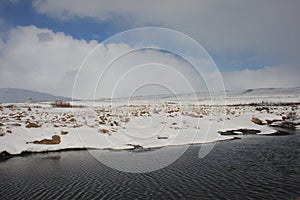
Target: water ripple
point(264, 167)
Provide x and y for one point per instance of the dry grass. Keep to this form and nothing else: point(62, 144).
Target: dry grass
point(61, 104)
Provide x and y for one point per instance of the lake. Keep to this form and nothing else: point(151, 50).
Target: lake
point(255, 167)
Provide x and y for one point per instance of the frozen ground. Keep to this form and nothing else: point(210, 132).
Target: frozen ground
point(146, 123)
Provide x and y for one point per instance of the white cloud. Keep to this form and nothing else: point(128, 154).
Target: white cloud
point(271, 29)
point(267, 77)
point(40, 59)
point(2, 44)
point(29, 62)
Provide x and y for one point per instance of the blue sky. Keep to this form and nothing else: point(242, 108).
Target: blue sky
point(23, 14)
point(243, 37)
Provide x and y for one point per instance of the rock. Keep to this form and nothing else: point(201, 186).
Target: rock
point(284, 118)
point(64, 132)
point(262, 109)
point(126, 119)
point(1, 124)
point(162, 136)
point(15, 124)
point(55, 140)
point(284, 124)
point(241, 131)
point(116, 123)
point(105, 131)
point(32, 125)
point(255, 120)
point(136, 147)
point(271, 121)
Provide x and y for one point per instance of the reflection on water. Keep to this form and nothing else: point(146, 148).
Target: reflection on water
point(264, 167)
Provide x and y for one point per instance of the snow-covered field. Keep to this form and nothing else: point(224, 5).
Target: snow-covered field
point(37, 127)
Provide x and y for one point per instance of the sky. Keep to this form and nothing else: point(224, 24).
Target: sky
point(254, 44)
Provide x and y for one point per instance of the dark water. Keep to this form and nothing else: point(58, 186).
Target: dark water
point(256, 167)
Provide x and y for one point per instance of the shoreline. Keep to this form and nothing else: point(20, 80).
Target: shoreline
point(40, 127)
point(135, 148)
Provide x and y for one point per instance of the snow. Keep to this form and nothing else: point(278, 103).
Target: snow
point(122, 124)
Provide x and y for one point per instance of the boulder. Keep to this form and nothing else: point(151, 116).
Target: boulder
point(55, 140)
point(32, 125)
point(255, 120)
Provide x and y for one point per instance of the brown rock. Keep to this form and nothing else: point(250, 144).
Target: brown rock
point(32, 125)
point(105, 131)
point(16, 124)
point(269, 121)
point(256, 121)
point(55, 140)
point(64, 132)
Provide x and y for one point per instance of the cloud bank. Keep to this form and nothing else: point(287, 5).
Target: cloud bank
point(269, 31)
point(42, 60)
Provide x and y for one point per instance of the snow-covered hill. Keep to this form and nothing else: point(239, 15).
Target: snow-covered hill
point(14, 95)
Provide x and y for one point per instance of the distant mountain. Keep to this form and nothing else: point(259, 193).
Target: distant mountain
point(271, 91)
point(14, 95)
point(229, 93)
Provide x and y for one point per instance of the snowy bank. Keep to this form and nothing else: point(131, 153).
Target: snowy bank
point(39, 127)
